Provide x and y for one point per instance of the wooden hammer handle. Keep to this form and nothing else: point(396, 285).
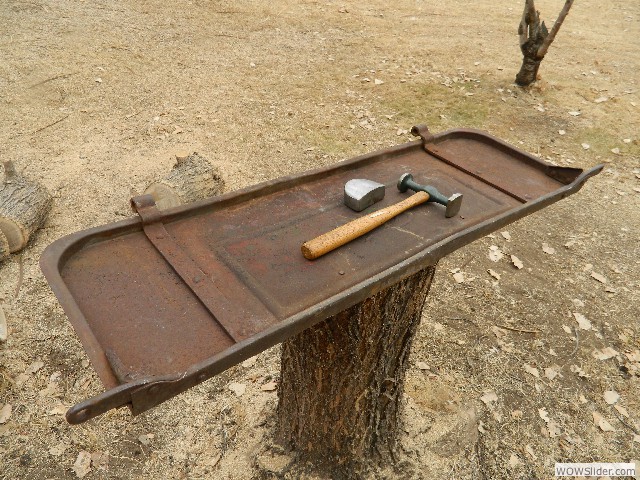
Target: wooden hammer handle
point(350, 231)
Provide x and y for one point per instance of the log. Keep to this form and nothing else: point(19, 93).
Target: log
point(24, 205)
point(342, 381)
point(192, 178)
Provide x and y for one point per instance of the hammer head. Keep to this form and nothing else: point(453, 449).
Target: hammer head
point(453, 205)
point(360, 193)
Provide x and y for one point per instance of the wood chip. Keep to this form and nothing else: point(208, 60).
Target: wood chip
point(602, 422)
point(506, 235)
point(82, 465)
point(598, 277)
point(269, 387)
point(583, 322)
point(494, 274)
point(516, 262)
point(514, 461)
point(530, 452)
point(567, 329)
point(575, 113)
point(250, 362)
point(601, 99)
point(611, 397)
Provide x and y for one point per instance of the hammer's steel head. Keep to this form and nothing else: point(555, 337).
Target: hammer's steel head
point(360, 193)
point(453, 205)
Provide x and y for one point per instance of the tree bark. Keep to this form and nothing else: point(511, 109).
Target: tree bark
point(24, 206)
point(192, 178)
point(342, 381)
point(535, 40)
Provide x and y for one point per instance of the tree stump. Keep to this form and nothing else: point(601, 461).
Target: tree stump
point(342, 381)
point(4, 246)
point(24, 205)
point(192, 178)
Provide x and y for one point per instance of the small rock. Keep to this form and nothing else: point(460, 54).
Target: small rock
point(611, 396)
point(237, 388)
point(82, 465)
point(269, 387)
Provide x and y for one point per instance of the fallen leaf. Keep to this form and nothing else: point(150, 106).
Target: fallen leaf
point(100, 460)
point(82, 465)
point(489, 397)
point(532, 370)
point(567, 329)
point(583, 322)
point(58, 450)
point(5, 413)
point(34, 367)
point(529, 450)
point(3, 325)
point(237, 388)
point(506, 235)
point(494, 253)
point(611, 397)
point(602, 422)
point(514, 461)
point(605, 354)
point(481, 427)
point(250, 362)
point(552, 372)
point(422, 365)
point(601, 99)
point(269, 387)
point(615, 151)
point(58, 410)
point(458, 277)
point(494, 274)
point(516, 262)
point(146, 439)
point(582, 399)
point(554, 429)
point(621, 410)
point(598, 277)
point(547, 249)
point(579, 371)
point(544, 415)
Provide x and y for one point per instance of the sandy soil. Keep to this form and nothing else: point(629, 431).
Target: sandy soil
point(98, 96)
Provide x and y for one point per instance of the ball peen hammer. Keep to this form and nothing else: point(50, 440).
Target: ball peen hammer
point(337, 237)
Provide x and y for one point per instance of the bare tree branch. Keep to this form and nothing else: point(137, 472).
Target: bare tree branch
point(554, 31)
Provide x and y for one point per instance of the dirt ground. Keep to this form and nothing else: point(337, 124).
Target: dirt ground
point(508, 375)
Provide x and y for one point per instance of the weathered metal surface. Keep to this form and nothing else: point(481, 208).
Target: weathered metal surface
point(163, 301)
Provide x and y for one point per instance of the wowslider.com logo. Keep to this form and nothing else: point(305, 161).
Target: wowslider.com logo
point(595, 470)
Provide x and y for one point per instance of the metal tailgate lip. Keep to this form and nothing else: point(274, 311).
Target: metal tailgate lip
point(144, 393)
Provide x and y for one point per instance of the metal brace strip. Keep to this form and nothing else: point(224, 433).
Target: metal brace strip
point(202, 285)
point(423, 132)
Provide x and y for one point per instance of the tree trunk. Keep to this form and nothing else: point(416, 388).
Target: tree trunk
point(24, 206)
point(535, 40)
point(342, 381)
point(192, 178)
